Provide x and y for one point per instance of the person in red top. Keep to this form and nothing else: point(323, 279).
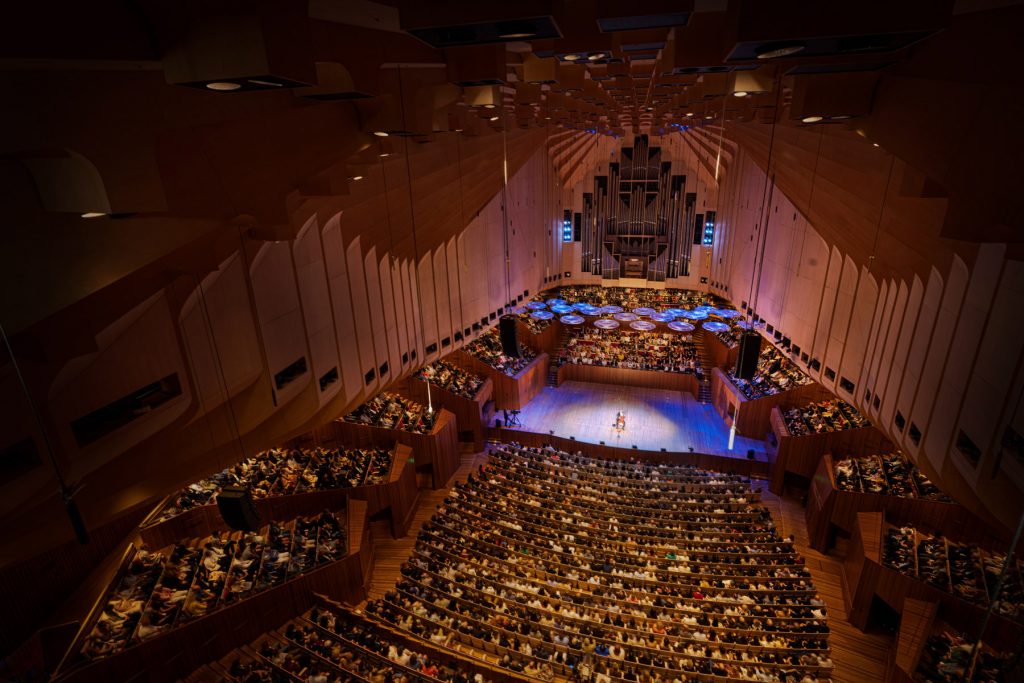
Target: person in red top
point(429, 669)
point(697, 595)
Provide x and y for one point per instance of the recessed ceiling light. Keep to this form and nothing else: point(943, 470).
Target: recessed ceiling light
point(709, 116)
point(740, 93)
point(493, 118)
point(875, 144)
point(380, 133)
point(774, 50)
point(597, 55)
point(223, 86)
point(811, 119)
point(99, 214)
point(488, 106)
point(458, 130)
point(514, 36)
point(385, 154)
point(689, 113)
point(841, 117)
point(571, 58)
point(356, 177)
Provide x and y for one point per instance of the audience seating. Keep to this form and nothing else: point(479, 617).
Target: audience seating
point(282, 472)
point(826, 416)
point(488, 350)
point(775, 374)
point(965, 570)
point(388, 410)
point(612, 570)
point(629, 298)
point(330, 643)
point(664, 352)
point(451, 378)
point(888, 475)
point(949, 656)
point(166, 589)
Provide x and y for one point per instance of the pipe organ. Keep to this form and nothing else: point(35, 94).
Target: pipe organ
point(638, 221)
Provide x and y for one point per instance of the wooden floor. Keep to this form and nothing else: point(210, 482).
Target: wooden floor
point(655, 418)
point(858, 657)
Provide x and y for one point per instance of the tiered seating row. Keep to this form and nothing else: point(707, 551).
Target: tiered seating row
point(388, 410)
point(626, 570)
point(283, 472)
point(164, 590)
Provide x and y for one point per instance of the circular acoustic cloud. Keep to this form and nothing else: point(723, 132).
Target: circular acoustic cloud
point(517, 310)
point(542, 315)
point(680, 326)
point(744, 325)
point(675, 312)
point(662, 317)
point(715, 326)
point(704, 309)
point(571, 319)
point(589, 310)
point(695, 315)
point(642, 325)
point(644, 311)
point(727, 313)
point(611, 310)
point(626, 317)
point(606, 324)
point(556, 302)
point(536, 305)
point(561, 308)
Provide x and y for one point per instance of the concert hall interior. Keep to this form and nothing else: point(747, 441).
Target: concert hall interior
point(558, 340)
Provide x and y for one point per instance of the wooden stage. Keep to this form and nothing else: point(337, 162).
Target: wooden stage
point(655, 419)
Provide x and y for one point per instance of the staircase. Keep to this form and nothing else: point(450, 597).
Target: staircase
point(704, 388)
point(555, 355)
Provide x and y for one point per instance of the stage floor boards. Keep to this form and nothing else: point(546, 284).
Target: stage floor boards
point(655, 419)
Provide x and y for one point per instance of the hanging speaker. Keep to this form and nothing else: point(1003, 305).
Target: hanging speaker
point(237, 510)
point(509, 336)
point(746, 360)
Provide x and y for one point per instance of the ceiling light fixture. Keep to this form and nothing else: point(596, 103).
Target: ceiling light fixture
point(709, 116)
point(380, 133)
point(356, 177)
point(571, 58)
point(223, 86)
point(488, 106)
point(596, 56)
point(812, 119)
point(493, 118)
point(740, 93)
point(775, 50)
point(93, 214)
point(385, 154)
point(689, 113)
point(514, 36)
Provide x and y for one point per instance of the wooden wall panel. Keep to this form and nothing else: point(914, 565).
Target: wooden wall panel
point(855, 351)
point(341, 304)
point(378, 338)
point(992, 380)
point(829, 288)
point(311, 275)
point(428, 307)
point(919, 347)
point(908, 325)
point(841, 314)
point(387, 302)
point(361, 316)
point(963, 350)
point(454, 293)
point(442, 300)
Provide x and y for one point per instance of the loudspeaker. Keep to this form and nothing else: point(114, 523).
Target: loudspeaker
point(750, 349)
point(509, 336)
point(237, 510)
point(497, 423)
point(750, 454)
